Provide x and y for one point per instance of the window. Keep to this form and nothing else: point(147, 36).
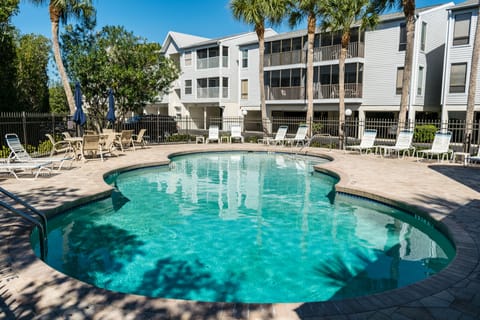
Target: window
point(244, 89)
point(420, 81)
point(188, 58)
point(225, 57)
point(403, 38)
point(461, 29)
point(285, 78)
point(188, 86)
point(275, 79)
point(244, 58)
point(423, 36)
point(399, 84)
point(458, 77)
point(225, 87)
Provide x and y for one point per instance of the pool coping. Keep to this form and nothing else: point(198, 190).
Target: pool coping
point(461, 268)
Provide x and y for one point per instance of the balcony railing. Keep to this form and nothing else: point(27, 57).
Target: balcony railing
point(284, 93)
point(207, 63)
point(355, 49)
point(331, 91)
point(211, 92)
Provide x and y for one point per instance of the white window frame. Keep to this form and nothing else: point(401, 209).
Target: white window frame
point(461, 83)
point(243, 94)
point(186, 86)
point(188, 58)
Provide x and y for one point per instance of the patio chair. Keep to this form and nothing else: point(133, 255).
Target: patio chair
point(19, 154)
point(440, 147)
point(213, 134)
point(403, 144)
point(91, 146)
point(125, 141)
point(60, 146)
point(300, 136)
point(279, 137)
point(236, 133)
point(139, 139)
point(14, 168)
point(366, 143)
point(107, 142)
point(474, 159)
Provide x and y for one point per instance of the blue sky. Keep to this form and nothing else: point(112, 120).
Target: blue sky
point(152, 19)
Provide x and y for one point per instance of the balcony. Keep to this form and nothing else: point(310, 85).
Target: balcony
point(208, 63)
point(284, 58)
point(355, 49)
point(205, 93)
point(284, 93)
point(331, 91)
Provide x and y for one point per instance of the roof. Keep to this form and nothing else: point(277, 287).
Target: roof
point(465, 5)
point(217, 40)
point(182, 40)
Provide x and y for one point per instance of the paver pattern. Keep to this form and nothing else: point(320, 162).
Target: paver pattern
point(449, 193)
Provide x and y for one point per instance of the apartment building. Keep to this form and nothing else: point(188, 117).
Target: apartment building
point(373, 69)
point(220, 77)
point(462, 21)
point(209, 85)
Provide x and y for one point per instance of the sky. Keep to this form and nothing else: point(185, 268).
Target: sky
point(153, 19)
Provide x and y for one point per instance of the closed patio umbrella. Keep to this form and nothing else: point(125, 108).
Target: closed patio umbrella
point(111, 108)
point(79, 116)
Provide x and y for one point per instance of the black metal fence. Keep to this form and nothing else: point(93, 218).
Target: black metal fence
point(32, 127)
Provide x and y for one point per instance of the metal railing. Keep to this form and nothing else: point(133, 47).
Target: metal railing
point(31, 128)
point(35, 217)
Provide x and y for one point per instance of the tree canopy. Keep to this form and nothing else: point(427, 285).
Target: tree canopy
point(115, 58)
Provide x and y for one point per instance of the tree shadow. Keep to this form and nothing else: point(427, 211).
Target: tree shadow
point(468, 176)
point(185, 279)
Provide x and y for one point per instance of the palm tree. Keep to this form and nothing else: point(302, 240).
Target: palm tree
point(299, 9)
point(258, 13)
point(408, 7)
point(340, 15)
point(472, 86)
point(61, 11)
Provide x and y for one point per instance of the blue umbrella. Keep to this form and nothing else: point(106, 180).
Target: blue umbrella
point(111, 107)
point(79, 117)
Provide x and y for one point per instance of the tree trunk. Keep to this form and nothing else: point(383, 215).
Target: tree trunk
point(260, 30)
point(341, 89)
point(409, 11)
point(54, 18)
point(472, 88)
point(312, 22)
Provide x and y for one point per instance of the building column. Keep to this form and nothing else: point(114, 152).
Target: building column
point(204, 117)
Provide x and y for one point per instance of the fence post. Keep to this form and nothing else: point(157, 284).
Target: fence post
point(24, 126)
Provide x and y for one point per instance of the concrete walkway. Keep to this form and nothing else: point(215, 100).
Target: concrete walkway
point(449, 193)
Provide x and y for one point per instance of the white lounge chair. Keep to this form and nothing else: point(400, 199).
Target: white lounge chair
point(403, 144)
point(300, 136)
point(366, 143)
point(213, 134)
point(440, 147)
point(279, 137)
point(33, 167)
point(19, 154)
point(474, 159)
point(236, 133)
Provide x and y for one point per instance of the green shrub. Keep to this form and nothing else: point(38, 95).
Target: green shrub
point(424, 133)
point(45, 147)
point(316, 128)
point(180, 137)
point(4, 152)
point(252, 139)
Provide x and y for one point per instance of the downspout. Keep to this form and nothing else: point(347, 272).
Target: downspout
point(446, 68)
point(413, 84)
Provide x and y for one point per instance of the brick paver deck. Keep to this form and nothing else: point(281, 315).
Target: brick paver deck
point(449, 193)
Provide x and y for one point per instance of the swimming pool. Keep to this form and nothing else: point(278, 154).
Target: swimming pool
point(244, 227)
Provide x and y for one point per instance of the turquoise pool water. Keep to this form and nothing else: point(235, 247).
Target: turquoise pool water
point(242, 227)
